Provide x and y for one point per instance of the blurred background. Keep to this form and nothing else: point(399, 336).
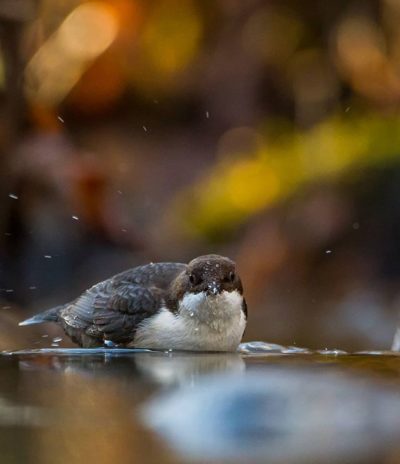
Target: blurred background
point(134, 131)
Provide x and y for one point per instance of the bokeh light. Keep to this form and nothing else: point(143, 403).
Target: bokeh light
point(266, 131)
point(60, 62)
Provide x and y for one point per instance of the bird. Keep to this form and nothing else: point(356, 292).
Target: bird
point(197, 306)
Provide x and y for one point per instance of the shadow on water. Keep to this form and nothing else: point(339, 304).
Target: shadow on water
point(264, 403)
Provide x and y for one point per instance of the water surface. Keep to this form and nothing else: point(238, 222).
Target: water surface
point(264, 404)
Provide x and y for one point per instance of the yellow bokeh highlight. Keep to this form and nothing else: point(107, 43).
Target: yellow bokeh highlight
point(250, 185)
point(60, 62)
point(240, 187)
point(171, 36)
point(168, 44)
point(88, 31)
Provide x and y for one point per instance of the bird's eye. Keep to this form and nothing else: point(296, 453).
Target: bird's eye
point(232, 276)
point(192, 279)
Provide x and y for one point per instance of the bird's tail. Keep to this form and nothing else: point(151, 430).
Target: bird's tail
point(51, 315)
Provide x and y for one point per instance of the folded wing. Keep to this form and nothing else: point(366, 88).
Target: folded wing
point(113, 309)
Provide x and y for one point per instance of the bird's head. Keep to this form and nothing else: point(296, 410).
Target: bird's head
point(212, 274)
point(208, 287)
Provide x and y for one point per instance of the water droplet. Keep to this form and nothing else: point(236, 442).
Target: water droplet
point(347, 109)
point(32, 287)
point(328, 252)
point(45, 336)
point(9, 290)
point(207, 115)
point(47, 256)
point(60, 119)
point(75, 218)
point(144, 128)
point(57, 339)
point(196, 329)
point(191, 314)
point(13, 196)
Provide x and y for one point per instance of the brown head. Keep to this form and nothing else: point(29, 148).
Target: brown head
point(211, 274)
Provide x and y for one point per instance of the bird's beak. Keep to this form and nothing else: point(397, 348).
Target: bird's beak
point(214, 288)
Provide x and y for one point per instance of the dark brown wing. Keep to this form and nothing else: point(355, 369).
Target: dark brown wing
point(157, 275)
point(109, 312)
point(113, 309)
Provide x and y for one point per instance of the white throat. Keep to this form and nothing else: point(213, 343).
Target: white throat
point(216, 311)
point(202, 323)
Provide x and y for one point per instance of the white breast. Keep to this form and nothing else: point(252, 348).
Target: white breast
point(202, 323)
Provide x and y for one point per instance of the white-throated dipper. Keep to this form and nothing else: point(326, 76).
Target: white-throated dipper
point(197, 306)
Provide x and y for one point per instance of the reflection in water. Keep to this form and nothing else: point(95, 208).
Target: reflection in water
point(12, 414)
point(279, 415)
point(63, 406)
point(71, 408)
point(93, 420)
point(164, 368)
point(187, 368)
